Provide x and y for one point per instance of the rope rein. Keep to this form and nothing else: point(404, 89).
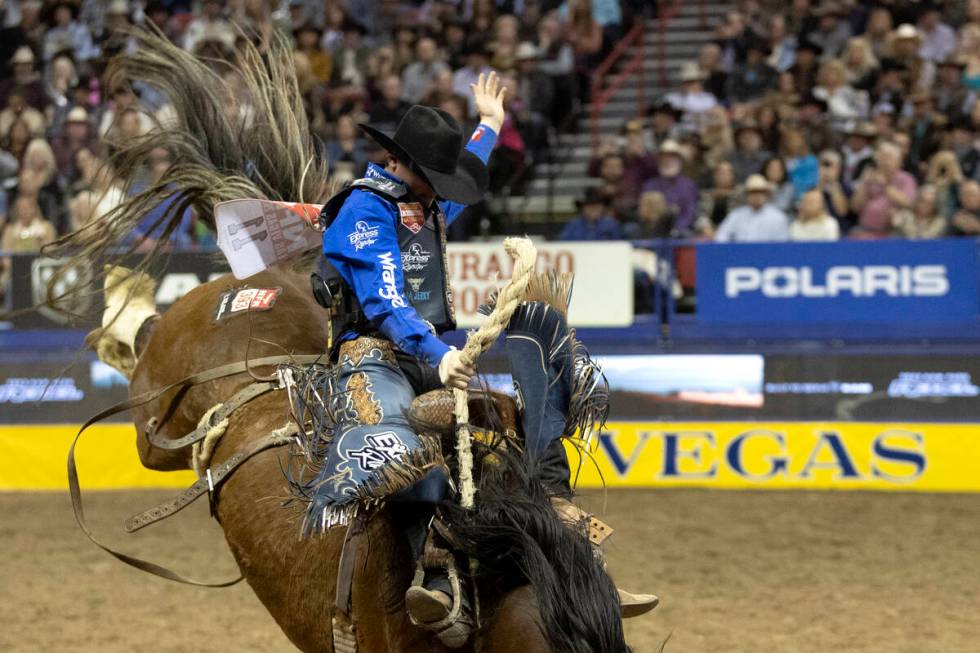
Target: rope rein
point(202, 450)
point(508, 299)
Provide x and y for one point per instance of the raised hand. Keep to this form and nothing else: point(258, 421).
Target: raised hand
point(488, 96)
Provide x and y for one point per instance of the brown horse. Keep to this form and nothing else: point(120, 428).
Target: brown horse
point(296, 578)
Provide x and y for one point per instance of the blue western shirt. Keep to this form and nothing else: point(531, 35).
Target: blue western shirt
point(362, 244)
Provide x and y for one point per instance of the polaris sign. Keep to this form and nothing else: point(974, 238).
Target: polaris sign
point(894, 281)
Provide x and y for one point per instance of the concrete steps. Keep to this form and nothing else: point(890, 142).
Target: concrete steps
point(566, 178)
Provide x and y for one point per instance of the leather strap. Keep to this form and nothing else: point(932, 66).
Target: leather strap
point(201, 377)
point(345, 567)
point(239, 399)
point(210, 484)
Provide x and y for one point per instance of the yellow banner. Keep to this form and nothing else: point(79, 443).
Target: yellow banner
point(741, 455)
point(804, 455)
point(35, 457)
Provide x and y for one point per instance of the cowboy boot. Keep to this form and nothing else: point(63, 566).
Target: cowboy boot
point(630, 605)
point(436, 600)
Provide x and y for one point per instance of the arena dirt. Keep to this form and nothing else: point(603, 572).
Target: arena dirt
point(736, 571)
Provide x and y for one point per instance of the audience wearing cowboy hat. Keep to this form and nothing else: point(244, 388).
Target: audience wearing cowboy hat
point(758, 220)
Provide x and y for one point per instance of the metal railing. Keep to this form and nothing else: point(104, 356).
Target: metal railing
point(600, 96)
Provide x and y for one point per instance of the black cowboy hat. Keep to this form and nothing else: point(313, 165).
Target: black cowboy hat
point(592, 196)
point(431, 142)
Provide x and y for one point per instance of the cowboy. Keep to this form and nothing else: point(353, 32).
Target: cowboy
point(385, 273)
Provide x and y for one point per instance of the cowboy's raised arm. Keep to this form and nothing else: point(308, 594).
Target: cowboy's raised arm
point(489, 98)
point(362, 242)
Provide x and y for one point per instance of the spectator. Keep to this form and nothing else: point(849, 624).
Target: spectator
point(758, 220)
point(653, 218)
point(877, 30)
point(148, 231)
point(906, 41)
point(965, 147)
point(720, 199)
point(692, 101)
point(209, 25)
point(477, 63)
point(346, 152)
point(832, 31)
point(944, 176)
point(804, 70)
point(66, 34)
point(593, 221)
point(921, 221)
point(882, 189)
point(860, 64)
point(924, 130)
point(16, 139)
point(389, 109)
point(533, 86)
point(844, 103)
point(420, 75)
point(663, 122)
point(782, 45)
point(26, 80)
point(966, 221)
point(836, 194)
point(40, 162)
point(774, 170)
point(883, 120)
point(801, 165)
point(124, 99)
point(61, 79)
point(938, 38)
point(951, 98)
point(27, 230)
point(751, 80)
point(615, 188)
point(351, 57)
point(717, 140)
point(812, 220)
point(558, 62)
point(857, 150)
point(17, 109)
point(749, 156)
point(510, 156)
point(709, 60)
point(641, 164)
point(506, 36)
point(584, 34)
point(308, 37)
point(731, 36)
point(679, 190)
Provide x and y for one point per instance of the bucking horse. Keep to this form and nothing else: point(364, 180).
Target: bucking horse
point(234, 397)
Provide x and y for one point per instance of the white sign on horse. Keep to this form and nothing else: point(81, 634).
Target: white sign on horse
point(256, 234)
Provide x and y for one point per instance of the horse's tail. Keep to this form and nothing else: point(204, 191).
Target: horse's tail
point(517, 538)
point(233, 130)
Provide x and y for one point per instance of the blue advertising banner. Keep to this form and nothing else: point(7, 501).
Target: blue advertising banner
point(892, 281)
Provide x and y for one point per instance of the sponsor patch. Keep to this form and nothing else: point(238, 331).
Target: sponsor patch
point(363, 235)
point(416, 258)
point(379, 449)
point(412, 216)
point(246, 299)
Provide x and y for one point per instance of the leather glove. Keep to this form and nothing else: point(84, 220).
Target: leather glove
point(452, 371)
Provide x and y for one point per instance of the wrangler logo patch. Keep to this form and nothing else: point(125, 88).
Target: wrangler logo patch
point(246, 300)
point(412, 216)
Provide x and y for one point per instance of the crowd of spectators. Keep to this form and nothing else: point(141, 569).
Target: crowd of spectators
point(356, 61)
point(806, 121)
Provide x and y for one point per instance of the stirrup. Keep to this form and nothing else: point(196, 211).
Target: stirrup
point(455, 628)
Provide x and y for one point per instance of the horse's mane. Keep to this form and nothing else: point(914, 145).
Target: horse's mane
point(515, 535)
point(233, 130)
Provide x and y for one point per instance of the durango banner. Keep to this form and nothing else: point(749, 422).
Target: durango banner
point(923, 457)
point(800, 455)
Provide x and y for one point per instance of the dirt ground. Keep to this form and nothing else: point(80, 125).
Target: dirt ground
point(736, 571)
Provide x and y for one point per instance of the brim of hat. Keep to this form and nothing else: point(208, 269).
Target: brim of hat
point(466, 184)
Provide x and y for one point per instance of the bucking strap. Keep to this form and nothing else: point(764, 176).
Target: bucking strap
point(239, 399)
point(201, 377)
point(211, 482)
